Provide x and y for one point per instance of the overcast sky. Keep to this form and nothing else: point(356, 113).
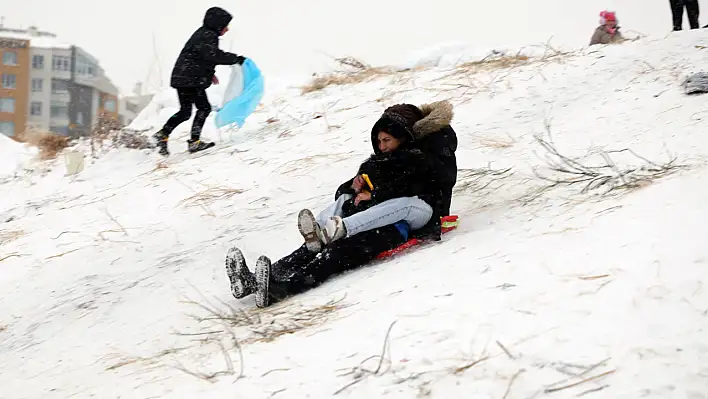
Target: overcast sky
point(291, 37)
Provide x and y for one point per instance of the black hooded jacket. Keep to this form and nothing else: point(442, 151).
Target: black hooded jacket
point(197, 62)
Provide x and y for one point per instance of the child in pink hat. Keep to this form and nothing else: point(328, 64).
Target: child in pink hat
point(608, 31)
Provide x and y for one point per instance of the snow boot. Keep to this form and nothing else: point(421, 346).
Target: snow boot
point(310, 230)
point(262, 282)
point(196, 145)
point(243, 282)
point(334, 229)
point(160, 141)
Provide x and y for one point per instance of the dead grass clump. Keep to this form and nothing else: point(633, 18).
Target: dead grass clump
point(49, 144)
point(496, 142)
point(492, 63)
point(474, 180)
point(354, 71)
point(10, 235)
point(597, 171)
point(266, 325)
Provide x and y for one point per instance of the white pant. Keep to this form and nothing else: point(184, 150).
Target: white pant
point(413, 210)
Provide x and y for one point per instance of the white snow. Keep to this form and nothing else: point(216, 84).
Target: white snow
point(95, 270)
point(13, 156)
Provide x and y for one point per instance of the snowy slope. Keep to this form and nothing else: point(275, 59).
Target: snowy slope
point(528, 298)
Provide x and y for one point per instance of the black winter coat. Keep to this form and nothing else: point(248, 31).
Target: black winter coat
point(406, 172)
point(197, 62)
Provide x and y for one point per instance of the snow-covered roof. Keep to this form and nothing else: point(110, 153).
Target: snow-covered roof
point(41, 41)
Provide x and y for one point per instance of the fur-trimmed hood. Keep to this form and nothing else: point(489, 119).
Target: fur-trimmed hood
point(436, 116)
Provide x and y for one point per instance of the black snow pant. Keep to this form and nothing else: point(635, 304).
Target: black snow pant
point(302, 269)
point(692, 10)
point(187, 98)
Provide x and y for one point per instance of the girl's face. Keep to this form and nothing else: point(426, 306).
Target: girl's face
point(388, 143)
point(611, 24)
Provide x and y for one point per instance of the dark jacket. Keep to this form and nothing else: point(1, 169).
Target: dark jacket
point(436, 138)
point(402, 173)
point(197, 62)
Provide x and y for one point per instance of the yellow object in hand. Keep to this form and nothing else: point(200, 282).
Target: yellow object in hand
point(367, 180)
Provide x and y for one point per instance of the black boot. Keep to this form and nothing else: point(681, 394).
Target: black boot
point(160, 141)
point(243, 282)
point(196, 145)
point(262, 282)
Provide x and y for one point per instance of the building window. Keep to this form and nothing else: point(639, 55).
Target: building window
point(7, 128)
point(63, 130)
point(37, 85)
point(61, 63)
point(38, 61)
point(7, 105)
point(59, 111)
point(59, 86)
point(36, 108)
point(9, 57)
point(9, 81)
point(110, 105)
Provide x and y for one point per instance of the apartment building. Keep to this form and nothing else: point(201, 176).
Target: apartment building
point(14, 81)
point(63, 89)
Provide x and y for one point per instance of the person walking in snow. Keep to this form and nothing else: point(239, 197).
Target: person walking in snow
point(193, 73)
point(397, 176)
point(692, 9)
point(608, 31)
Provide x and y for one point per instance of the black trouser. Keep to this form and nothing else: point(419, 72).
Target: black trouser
point(692, 10)
point(187, 98)
point(302, 269)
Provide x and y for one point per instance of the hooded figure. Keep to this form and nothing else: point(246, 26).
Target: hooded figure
point(197, 62)
point(429, 126)
point(193, 73)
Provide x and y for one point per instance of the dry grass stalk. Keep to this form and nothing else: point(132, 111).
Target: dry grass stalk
point(49, 144)
point(210, 195)
point(360, 372)
point(478, 179)
point(605, 175)
point(10, 235)
point(355, 71)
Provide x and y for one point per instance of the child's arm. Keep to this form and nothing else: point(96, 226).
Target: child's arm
point(210, 51)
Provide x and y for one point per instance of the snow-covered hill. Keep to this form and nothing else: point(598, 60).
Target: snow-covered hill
point(105, 278)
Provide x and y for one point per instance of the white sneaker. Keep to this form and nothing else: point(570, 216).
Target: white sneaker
point(334, 230)
point(310, 230)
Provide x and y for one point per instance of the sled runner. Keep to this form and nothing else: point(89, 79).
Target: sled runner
point(448, 223)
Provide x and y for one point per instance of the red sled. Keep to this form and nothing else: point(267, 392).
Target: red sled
point(447, 223)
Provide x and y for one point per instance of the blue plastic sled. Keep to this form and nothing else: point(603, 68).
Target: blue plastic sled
point(242, 95)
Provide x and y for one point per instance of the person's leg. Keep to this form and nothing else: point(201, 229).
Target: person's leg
point(412, 210)
point(342, 255)
point(692, 9)
point(333, 209)
point(186, 100)
point(201, 101)
point(677, 13)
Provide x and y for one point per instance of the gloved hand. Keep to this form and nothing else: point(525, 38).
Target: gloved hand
point(240, 59)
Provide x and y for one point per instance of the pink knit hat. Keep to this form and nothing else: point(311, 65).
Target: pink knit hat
point(607, 16)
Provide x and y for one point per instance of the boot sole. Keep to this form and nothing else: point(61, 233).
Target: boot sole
point(262, 282)
point(208, 146)
point(236, 269)
point(308, 226)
